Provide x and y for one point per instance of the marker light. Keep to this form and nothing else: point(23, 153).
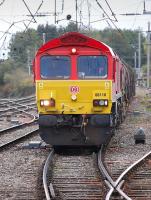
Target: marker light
point(106, 102)
point(95, 103)
point(73, 50)
point(47, 102)
point(100, 102)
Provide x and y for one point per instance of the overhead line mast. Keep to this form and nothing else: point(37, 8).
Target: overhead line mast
point(55, 14)
point(148, 55)
point(89, 13)
point(76, 1)
point(145, 12)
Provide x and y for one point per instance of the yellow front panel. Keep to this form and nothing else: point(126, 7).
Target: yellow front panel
point(64, 90)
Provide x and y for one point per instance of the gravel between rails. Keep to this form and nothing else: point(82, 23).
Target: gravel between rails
point(17, 111)
point(11, 135)
point(4, 123)
point(15, 119)
point(77, 177)
point(122, 150)
point(21, 172)
point(138, 183)
point(21, 168)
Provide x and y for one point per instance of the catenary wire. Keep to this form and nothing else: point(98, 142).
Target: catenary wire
point(27, 26)
point(3, 1)
point(113, 14)
point(121, 33)
point(29, 11)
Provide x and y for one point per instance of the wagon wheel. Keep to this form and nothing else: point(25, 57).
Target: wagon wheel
point(119, 114)
point(123, 111)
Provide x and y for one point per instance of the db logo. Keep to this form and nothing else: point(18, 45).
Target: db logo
point(74, 89)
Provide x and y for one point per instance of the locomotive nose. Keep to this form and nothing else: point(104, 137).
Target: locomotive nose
point(78, 97)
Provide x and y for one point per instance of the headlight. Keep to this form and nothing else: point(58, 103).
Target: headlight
point(47, 102)
point(100, 102)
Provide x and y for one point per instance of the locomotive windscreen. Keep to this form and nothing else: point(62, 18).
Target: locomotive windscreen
point(55, 67)
point(92, 67)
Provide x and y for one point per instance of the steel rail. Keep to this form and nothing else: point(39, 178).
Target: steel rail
point(21, 105)
point(20, 110)
point(21, 99)
point(34, 119)
point(18, 139)
point(49, 191)
point(103, 170)
point(18, 102)
point(17, 110)
point(138, 112)
point(130, 168)
point(25, 99)
point(108, 180)
point(18, 126)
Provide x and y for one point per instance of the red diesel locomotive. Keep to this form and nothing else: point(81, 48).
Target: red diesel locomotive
point(82, 90)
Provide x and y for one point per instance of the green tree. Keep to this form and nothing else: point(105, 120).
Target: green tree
point(124, 43)
point(22, 43)
point(71, 27)
point(23, 46)
point(49, 30)
point(5, 67)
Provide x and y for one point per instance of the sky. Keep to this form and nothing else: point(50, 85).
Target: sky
point(15, 16)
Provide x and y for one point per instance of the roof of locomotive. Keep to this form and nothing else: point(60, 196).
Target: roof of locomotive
point(75, 38)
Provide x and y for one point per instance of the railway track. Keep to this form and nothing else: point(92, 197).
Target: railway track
point(15, 134)
point(22, 101)
point(16, 112)
point(126, 182)
point(77, 177)
point(73, 177)
point(138, 179)
point(134, 182)
point(21, 167)
point(17, 105)
point(116, 164)
point(70, 176)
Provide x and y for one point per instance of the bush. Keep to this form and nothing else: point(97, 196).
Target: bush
point(17, 83)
